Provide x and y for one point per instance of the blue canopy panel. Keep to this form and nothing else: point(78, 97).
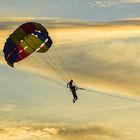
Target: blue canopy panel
point(10, 52)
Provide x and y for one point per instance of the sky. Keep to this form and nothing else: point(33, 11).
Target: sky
point(93, 10)
point(96, 43)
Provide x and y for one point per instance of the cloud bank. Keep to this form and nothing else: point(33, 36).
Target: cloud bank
point(56, 23)
point(61, 132)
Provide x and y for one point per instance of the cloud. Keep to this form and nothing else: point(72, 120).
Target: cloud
point(7, 107)
point(51, 132)
point(18, 130)
point(11, 23)
point(111, 3)
point(132, 1)
point(88, 131)
point(25, 133)
point(111, 60)
point(101, 3)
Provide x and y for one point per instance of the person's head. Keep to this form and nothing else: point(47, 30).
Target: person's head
point(71, 81)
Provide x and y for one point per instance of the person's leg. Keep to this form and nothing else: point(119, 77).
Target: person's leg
point(74, 97)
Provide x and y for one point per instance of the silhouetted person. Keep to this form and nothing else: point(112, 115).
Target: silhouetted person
point(73, 90)
point(70, 84)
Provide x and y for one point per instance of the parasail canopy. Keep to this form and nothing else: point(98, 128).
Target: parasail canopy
point(28, 38)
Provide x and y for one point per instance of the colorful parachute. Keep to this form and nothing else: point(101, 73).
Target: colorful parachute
point(26, 39)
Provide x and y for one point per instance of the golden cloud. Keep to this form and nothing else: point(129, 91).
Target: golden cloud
point(56, 23)
point(58, 132)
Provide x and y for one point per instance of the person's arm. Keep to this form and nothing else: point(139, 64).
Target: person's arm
point(68, 85)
